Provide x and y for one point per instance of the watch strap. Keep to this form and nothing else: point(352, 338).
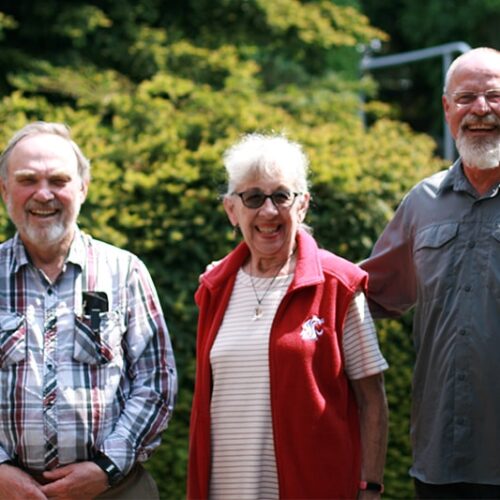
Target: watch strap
point(371, 486)
point(108, 466)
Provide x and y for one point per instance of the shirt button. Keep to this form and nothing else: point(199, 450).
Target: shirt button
point(50, 291)
point(467, 288)
point(460, 420)
point(462, 332)
point(471, 244)
point(461, 376)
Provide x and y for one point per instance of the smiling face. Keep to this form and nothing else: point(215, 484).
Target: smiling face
point(43, 191)
point(476, 124)
point(268, 231)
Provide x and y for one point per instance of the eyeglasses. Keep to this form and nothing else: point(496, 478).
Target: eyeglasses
point(466, 98)
point(255, 198)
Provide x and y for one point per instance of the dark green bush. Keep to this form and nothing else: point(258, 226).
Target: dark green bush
point(155, 93)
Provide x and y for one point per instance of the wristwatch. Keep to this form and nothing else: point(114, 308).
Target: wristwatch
point(371, 486)
point(107, 465)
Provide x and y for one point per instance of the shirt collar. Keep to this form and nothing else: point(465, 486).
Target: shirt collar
point(77, 251)
point(456, 180)
point(20, 256)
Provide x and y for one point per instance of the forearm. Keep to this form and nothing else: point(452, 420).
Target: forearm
point(373, 418)
point(150, 387)
point(137, 432)
point(148, 408)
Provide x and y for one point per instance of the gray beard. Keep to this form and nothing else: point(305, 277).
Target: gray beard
point(479, 153)
point(49, 236)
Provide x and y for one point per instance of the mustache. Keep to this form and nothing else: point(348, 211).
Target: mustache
point(50, 205)
point(489, 119)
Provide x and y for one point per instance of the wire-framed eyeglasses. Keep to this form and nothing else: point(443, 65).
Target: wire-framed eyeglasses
point(255, 198)
point(466, 97)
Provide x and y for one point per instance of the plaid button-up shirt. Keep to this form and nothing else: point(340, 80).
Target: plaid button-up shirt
point(114, 373)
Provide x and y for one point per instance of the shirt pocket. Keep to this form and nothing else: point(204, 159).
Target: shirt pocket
point(493, 276)
point(12, 339)
point(98, 347)
point(496, 238)
point(434, 255)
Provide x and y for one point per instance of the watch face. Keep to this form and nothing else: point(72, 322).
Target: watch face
point(114, 474)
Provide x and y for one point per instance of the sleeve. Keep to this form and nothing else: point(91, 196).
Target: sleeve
point(150, 374)
point(360, 345)
point(392, 280)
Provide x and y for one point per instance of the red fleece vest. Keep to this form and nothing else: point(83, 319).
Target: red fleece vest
point(315, 416)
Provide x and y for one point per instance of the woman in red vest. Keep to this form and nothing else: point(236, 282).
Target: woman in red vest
point(289, 399)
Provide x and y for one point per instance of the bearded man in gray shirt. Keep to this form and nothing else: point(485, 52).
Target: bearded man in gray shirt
point(441, 255)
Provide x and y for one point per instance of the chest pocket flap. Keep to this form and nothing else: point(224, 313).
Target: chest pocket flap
point(12, 338)
point(496, 233)
point(436, 236)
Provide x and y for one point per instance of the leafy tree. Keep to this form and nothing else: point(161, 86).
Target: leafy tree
point(416, 88)
point(155, 91)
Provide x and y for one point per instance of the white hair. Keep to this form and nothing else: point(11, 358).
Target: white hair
point(268, 156)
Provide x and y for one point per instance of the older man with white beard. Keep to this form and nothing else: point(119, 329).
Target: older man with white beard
point(87, 374)
point(441, 255)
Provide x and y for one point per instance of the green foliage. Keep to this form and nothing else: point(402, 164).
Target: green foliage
point(358, 179)
point(6, 22)
point(155, 92)
point(474, 21)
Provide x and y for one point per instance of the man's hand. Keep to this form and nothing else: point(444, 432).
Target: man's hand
point(80, 480)
point(209, 267)
point(15, 484)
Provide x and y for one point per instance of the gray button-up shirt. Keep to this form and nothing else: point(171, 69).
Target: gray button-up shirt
point(441, 254)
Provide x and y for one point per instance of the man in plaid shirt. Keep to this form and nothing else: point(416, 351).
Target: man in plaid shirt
point(87, 373)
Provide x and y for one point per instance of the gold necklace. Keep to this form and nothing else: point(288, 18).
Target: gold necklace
point(258, 312)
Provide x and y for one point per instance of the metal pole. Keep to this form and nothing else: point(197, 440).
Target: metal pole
point(448, 143)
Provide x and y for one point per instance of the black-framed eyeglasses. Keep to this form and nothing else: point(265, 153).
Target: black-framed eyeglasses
point(255, 198)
